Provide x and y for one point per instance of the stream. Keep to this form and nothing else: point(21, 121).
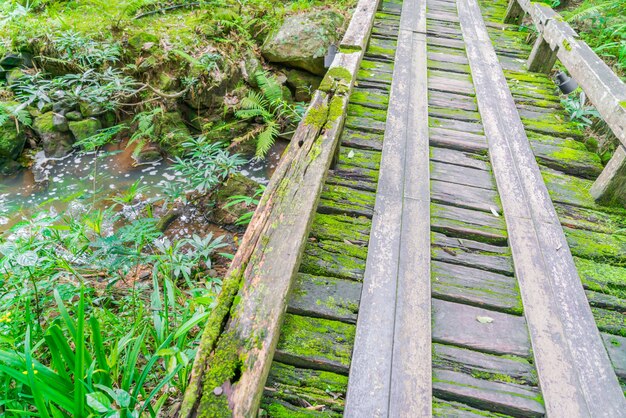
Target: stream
point(56, 184)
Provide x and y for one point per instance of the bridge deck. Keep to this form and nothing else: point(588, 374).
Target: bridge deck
point(480, 311)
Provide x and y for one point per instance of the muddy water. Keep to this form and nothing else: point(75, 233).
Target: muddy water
point(56, 183)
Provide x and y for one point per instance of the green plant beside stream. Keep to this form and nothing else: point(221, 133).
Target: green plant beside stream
point(100, 312)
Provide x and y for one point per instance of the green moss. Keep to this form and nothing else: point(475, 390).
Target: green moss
point(141, 39)
point(84, 129)
point(317, 116)
point(567, 45)
point(315, 338)
point(335, 76)
point(277, 410)
point(44, 123)
point(336, 109)
point(610, 321)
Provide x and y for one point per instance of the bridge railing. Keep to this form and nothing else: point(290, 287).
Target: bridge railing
point(238, 343)
point(601, 85)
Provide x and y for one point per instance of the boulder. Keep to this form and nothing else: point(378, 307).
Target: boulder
point(172, 132)
point(12, 143)
point(14, 75)
point(143, 41)
point(210, 93)
point(73, 116)
point(56, 144)
point(84, 129)
point(236, 185)
point(302, 41)
point(303, 84)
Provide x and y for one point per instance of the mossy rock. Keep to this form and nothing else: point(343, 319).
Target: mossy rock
point(236, 185)
point(303, 84)
point(12, 142)
point(56, 144)
point(84, 129)
point(302, 41)
point(14, 75)
point(172, 132)
point(143, 41)
point(73, 116)
point(89, 110)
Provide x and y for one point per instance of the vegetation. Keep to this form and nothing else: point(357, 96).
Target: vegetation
point(100, 310)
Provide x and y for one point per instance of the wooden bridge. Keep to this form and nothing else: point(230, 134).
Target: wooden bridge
point(429, 244)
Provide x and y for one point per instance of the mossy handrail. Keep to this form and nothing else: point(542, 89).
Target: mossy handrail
point(601, 85)
point(237, 346)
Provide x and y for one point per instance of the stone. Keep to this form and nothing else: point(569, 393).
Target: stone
point(236, 185)
point(56, 144)
point(85, 128)
point(12, 60)
point(166, 82)
point(143, 41)
point(73, 116)
point(302, 40)
point(12, 140)
point(14, 75)
point(60, 122)
point(210, 93)
point(303, 84)
point(150, 153)
point(172, 132)
point(88, 110)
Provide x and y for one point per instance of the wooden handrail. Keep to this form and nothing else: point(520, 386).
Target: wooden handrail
point(237, 346)
point(601, 85)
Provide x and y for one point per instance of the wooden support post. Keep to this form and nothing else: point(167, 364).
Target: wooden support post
point(514, 13)
point(542, 57)
point(610, 187)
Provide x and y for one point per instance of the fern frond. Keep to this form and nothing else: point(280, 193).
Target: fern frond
point(590, 10)
point(269, 86)
point(265, 140)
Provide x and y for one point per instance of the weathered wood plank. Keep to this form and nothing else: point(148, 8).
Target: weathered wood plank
point(458, 324)
point(475, 287)
point(506, 398)
point(498, 368)
point(463, 196)
point(325, 297)
point(574, 371)
point(462, 175)
point(460, 158)
point(462, 141)
point(315, 343)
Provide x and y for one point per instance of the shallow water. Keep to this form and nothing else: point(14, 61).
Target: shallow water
point(56, 183)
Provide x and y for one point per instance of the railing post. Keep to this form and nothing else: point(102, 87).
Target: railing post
point(542, 57)
point(610, 186)
point(514, 13)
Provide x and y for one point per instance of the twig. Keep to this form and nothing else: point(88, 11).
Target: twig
point(166, 9)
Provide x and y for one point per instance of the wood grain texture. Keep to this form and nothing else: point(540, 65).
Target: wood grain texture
point(574, 370)
point(390, 373)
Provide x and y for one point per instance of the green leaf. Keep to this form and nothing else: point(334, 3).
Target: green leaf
point(98, 401)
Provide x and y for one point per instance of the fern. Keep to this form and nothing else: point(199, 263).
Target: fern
point(271, 108)
point(16, 112)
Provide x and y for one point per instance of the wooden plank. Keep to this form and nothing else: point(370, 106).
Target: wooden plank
point(457, 140)
point(457, 324)
point(452, 173)
point(497, 368)
point(542, 58)
point(505, 398)
point(514, 12)
point(460, 158)
point(475, 287)
point(574, 370)
point(358, 31)
point(609, 186)
point(390, 363)
point(464, 196)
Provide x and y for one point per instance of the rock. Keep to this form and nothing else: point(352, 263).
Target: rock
point(85, 128)
point(63, 106)
point(56, 144)
point(303, 40)
point(143, 41)
point(210, 94)
point(150, 153)
point(172, 132)
point(108, 119)
point(303, 84)
point(60, 122)
point(12, 60)
point(236, 185)
point(88, 110)
point(166, 82)
point(249, 67)
point(73, 116)
point(14, 75)
point(12, 143)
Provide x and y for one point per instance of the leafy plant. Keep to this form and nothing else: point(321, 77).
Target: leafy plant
point(17, 112)
point(270, 109)
point(74, 47)
point(579, 111)
point(203, 166)
point(246, 201)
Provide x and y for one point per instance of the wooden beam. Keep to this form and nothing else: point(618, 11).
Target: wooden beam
point(237, 347)
point(602, 86)
point(610, 187)
point(542, 57)
point(575, 373)
point(514, 13)
point(391, 370)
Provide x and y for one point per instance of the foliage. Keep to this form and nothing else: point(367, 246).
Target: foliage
point(247, 201)
point(601, 24)
point(74, 47)
point(203, 166)
point(270, 108)
point(579, 112)
point(146, 128)
point(16, 112)
point(103, 90)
